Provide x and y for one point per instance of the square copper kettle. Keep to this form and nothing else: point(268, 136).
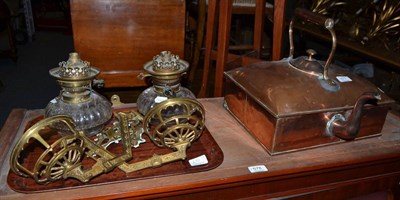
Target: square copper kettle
point(301, 103)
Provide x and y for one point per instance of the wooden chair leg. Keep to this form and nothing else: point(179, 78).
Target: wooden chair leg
point(201, 21)
point(211, 19)
point(279, 21)
point(259, 26)
point(225, 15)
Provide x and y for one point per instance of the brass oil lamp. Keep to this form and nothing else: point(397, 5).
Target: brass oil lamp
point(89, 110)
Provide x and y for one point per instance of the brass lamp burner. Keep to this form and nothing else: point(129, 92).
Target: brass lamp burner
point(166, 70)
point(88, 109)
point(63, 158)
point(75, 76)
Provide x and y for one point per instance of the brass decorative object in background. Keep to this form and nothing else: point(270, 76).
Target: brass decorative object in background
point(323, 6)
point(369, 22)
point(385, 22)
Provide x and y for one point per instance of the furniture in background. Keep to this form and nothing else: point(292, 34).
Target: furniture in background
point(199, 8)
point(221, 55)
point(29, 25)
point(120, 36)
point(5, 22)
point(52, 15)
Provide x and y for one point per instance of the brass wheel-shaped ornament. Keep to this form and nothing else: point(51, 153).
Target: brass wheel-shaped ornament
point(43, 171)
point(68, 157)
point(173, 121)
point(51, 150)
point(179, 133)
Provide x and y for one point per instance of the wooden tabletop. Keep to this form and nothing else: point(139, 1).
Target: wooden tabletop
point(240, 150)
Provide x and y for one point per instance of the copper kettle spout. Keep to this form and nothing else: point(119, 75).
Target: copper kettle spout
point(347, 129)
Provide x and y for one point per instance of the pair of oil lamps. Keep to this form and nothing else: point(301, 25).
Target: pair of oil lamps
point(90, 111)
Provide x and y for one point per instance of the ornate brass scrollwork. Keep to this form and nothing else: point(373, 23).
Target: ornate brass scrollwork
point(62, 159)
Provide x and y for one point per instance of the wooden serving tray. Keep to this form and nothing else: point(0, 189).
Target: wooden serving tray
point(205, 145)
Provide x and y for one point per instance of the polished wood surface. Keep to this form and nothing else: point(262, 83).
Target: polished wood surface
point(333, 172)
point(120, 36)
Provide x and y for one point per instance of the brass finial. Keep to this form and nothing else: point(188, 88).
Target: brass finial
point(74, 67)
point(166, 61)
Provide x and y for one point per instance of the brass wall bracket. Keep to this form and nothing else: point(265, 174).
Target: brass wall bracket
point(62, 159)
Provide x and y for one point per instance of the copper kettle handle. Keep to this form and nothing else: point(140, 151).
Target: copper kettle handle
point(347, 128)
point(328, 23)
